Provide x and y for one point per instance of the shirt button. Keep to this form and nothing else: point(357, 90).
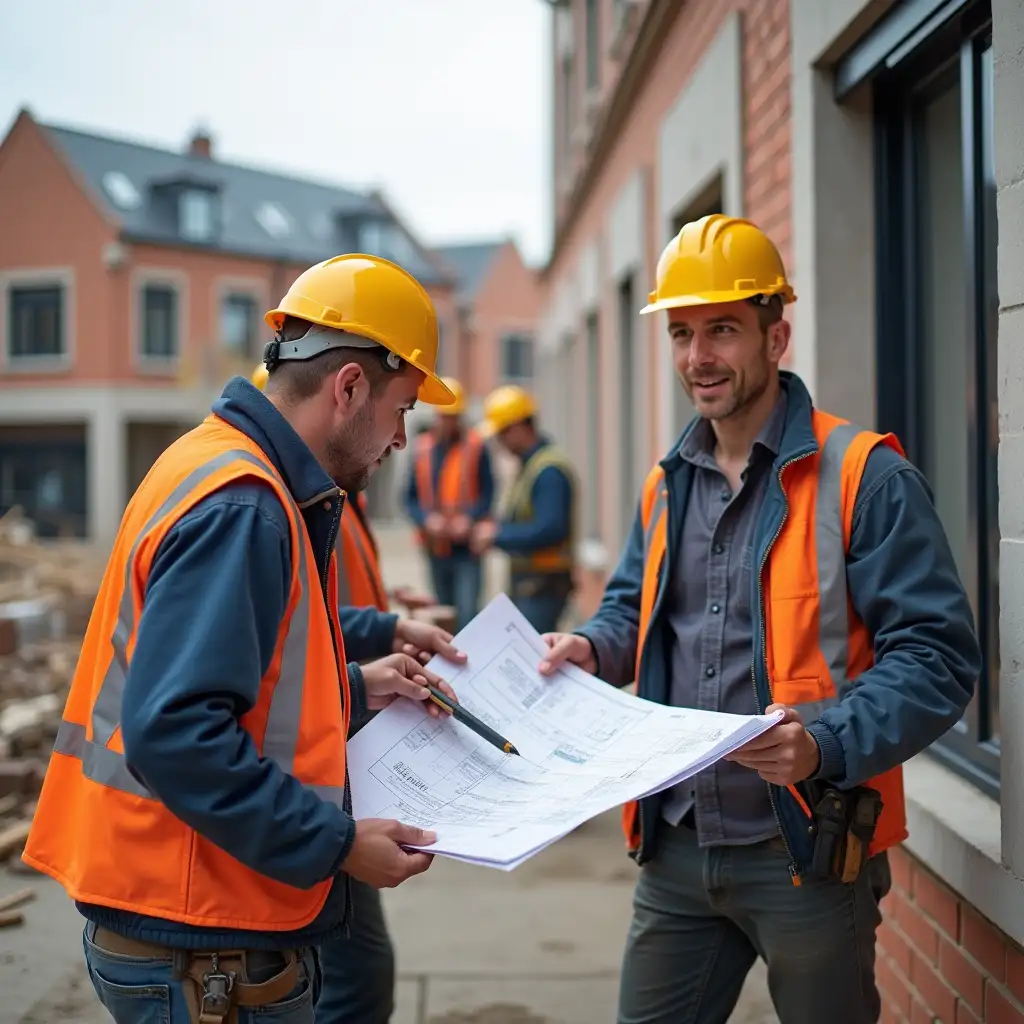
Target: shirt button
point(718, 549)
point(709, 671)
point(327, 505)
point(726, 495)
point(715, 609)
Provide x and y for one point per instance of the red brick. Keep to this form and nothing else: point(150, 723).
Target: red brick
point(917, 929)
point(999, 1008)
point(892, 982)
point(964, 1015)
point(899, 863)
point(895, 946)
point(941, 999)
point(889, 1015)
point(937, 901)
point(984, 942)
point(1015, 972)
point(962, 973)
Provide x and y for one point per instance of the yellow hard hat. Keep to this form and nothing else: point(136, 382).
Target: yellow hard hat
point(718, 259)
point(369, 297)
point(506, 406)
point(457, 407)
point(259, 376)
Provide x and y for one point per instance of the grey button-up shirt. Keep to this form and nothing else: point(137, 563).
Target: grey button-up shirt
point(709, 609)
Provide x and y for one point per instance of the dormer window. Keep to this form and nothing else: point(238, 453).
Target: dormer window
point(195, 215)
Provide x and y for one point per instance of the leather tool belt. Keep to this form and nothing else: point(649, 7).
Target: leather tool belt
point(215, 983)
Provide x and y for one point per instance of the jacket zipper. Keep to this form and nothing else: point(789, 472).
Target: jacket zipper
point(794, 873)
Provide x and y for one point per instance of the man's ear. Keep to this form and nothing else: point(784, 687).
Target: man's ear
point(350, 387)
point(778, 339)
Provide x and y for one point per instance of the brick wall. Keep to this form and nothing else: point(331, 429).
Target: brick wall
point(939, 960)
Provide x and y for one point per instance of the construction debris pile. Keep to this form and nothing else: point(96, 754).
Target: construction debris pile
point(47, 590)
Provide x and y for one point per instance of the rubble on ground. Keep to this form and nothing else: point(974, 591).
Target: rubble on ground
point(47, 590)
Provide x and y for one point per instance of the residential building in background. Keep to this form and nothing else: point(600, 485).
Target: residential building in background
point(133, 283)
point(878, 143)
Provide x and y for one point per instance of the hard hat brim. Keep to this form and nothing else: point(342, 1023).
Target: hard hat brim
point(434, 391)
point(712, 298)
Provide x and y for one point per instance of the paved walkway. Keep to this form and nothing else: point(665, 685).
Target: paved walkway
point(539, 945)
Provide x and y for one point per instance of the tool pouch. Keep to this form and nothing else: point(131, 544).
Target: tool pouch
point(216, 984)
point(845, 821)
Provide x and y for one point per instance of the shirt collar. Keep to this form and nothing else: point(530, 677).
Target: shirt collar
point(698, 445)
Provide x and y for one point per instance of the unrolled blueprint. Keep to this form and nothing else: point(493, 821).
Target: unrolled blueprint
point(584, 747)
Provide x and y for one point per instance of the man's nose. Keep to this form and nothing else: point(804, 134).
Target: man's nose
point(400, 436)
point(701, 350)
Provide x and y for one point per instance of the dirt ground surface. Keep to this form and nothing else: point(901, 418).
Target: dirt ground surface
point(539, 945)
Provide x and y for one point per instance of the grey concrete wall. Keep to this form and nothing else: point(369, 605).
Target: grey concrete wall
point(1008, 61)
point(833, 214)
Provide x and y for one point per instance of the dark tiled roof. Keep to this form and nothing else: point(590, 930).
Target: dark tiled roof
point(471, 261)
point(311, 210)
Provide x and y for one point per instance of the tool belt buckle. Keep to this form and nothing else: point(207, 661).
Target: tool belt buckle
point(217, 987)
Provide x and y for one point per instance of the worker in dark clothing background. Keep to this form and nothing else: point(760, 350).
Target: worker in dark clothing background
point(537, 529)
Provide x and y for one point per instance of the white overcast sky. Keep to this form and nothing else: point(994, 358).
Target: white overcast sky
point(444, 104)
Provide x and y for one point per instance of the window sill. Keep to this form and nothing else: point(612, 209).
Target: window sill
point(956, 832)
point(36, 364)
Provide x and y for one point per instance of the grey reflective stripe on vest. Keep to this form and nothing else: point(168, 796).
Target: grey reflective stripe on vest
point(833, 620)
point(811, 710)
point(108, 767)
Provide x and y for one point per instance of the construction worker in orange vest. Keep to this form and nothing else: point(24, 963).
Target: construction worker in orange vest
point(781, 559)
point(538, 526)
point(196, 805)
point(358, 969)
point(450, 490)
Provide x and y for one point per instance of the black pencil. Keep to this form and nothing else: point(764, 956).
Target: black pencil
point(460, 714)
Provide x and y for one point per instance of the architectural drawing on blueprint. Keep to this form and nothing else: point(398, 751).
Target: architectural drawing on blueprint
point(585, 747)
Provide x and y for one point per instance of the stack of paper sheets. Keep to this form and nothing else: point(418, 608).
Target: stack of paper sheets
point(585, 748)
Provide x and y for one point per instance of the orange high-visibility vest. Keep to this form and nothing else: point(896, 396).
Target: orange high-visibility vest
point(458, 481)
point(359, 577)
point(815, 645)
point(98, 829)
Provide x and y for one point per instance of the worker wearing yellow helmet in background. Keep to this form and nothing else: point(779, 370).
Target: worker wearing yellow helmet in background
point(197, 804)
point(537, 529)
point(781, 559)
point(450, 490)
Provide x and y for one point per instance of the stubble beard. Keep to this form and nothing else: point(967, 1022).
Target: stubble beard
point(350, 451)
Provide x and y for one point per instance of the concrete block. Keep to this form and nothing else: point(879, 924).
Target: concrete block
point(1010, 211)
point(1008, 74)
point(1011, 371)
point(409, 997)
point(1011, 486)
point(1011, 700)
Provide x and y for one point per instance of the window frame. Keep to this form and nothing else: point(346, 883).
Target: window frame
point(249, 350)
point(953, 52)
point(176, 282)
point(62, 279)
point(525, 338)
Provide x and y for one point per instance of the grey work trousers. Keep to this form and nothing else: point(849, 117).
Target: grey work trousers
point(702, 916)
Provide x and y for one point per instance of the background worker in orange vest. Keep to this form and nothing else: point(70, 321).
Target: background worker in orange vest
point(780, 558)
point(537, 528)
point(450, 490)
point(197, 804)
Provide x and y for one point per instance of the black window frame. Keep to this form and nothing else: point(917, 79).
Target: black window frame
point(250, 344)
point(32, 295)
point(146, 292)
point(524, 341)
point(953, 50)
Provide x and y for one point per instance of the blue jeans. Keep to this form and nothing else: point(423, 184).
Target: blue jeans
point(701, 918)
point(359, 971)
point(143, 990)
point(457, 580)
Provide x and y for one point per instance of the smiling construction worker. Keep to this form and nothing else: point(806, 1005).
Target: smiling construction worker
point(779, 557)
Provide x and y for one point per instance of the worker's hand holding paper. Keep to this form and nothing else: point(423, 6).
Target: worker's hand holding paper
point(585, 747)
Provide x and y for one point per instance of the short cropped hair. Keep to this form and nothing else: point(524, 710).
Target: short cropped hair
point(296, 380)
